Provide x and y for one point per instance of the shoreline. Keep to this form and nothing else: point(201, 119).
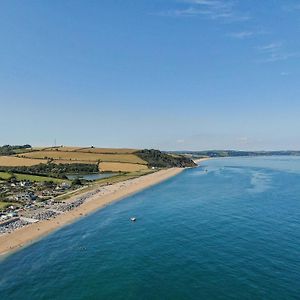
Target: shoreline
point(199, 160)
point(99, 198)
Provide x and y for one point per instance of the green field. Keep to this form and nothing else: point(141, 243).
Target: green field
point(3, 205)
point(6, 176)
point(106, 181)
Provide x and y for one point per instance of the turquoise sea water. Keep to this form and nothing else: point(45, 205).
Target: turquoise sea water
point(231, 232)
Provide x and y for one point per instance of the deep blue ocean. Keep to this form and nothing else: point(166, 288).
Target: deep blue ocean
point(229, 229)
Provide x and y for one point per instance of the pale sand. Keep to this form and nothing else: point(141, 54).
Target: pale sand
point(199, 160)
point(101, 197)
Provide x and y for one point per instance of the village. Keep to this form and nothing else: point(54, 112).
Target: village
point(30, 202)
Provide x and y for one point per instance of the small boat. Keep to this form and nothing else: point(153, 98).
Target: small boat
point(132, 219)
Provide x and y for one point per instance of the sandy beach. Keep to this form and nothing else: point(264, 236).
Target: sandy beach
point(199, 160)
point(98, 198)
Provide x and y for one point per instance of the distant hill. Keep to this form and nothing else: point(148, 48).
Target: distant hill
point(235, 153)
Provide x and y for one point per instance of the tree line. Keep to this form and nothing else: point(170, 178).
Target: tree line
point(52, 170)
point(13, 149)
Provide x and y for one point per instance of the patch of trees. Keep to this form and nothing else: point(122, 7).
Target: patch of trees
point(158, 159)
point(13, 149)
point(53, 170)
point(76, 181)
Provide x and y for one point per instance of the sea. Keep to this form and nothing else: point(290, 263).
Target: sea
point(229, 229)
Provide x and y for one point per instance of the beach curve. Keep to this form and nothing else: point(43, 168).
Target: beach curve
point(99, 198)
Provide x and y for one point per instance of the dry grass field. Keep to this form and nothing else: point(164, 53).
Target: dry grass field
point(38, 148)
point(67, 161)
point(13, 161)
point(88, 150)
point(83, 156)
point(63, 149)
point(121, 167)
point(108, 150)
point(111, 159)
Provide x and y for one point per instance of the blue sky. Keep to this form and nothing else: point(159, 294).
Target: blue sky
point(168, 74)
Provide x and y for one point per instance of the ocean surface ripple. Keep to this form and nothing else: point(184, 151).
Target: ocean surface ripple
point(229, 229)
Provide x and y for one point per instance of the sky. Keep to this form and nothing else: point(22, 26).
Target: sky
point(166, 74)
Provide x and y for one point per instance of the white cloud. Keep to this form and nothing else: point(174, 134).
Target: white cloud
point(241, 35)
point(227, 11)
point(214, 9)
point(271, 47)
point(204, 2)
point(247, 34)
point(274, 52)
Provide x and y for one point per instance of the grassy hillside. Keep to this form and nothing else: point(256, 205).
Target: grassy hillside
point(83, 156)
point(105, 159)
point(35, 178)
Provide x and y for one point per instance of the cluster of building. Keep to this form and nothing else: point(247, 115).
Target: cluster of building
point(32, 202)
point(31, 205)
point(25, 192)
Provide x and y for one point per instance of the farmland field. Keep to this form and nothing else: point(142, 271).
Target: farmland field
point(108, 150)
point(110, 159)
point(68, 161)
point(14, 161)
point(88, 150)
point(63, 149)
point(83, 156)
point(123, 167)
point(5, 176)
point(6, 204)
point(38, 178)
